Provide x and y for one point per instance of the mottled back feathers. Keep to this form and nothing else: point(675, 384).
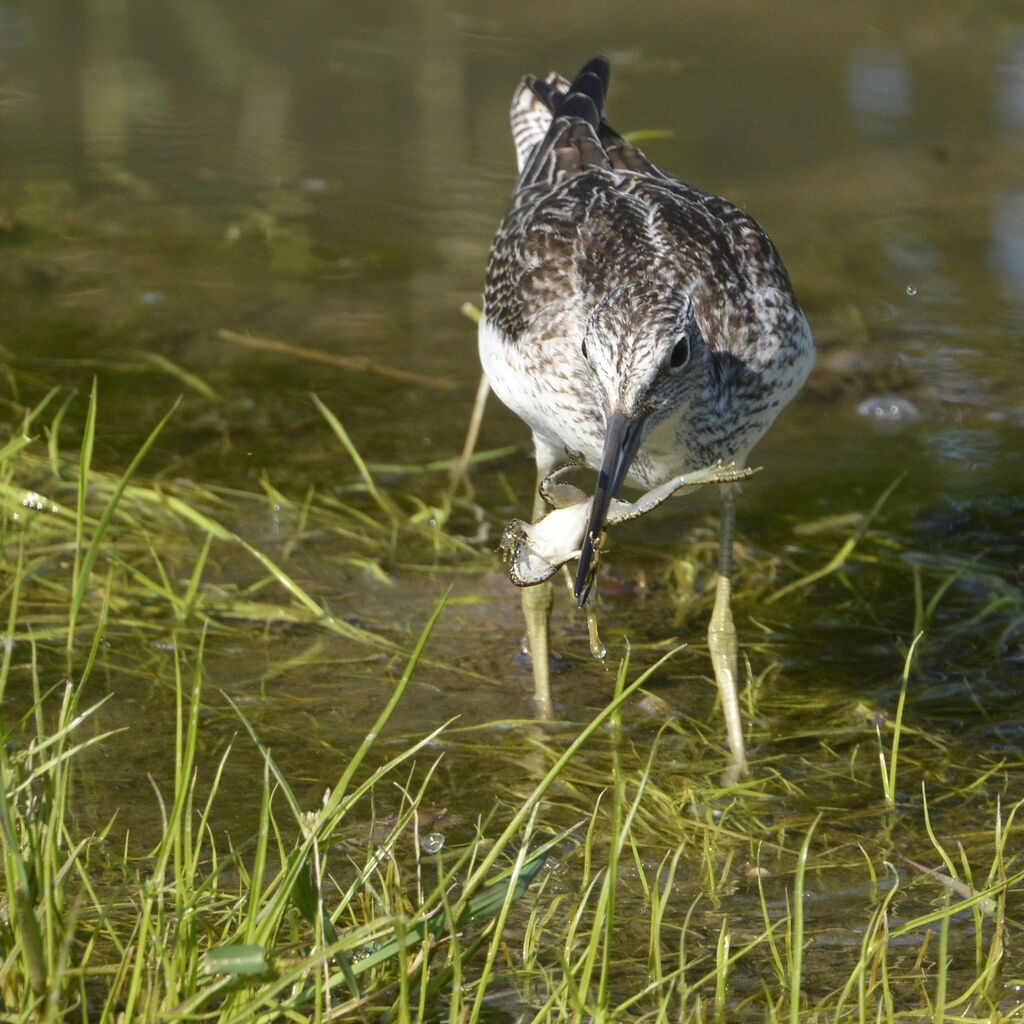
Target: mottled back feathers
point(587, 197)
point(592, 217)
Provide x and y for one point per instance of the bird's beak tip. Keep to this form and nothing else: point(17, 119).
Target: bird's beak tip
point(622, 438)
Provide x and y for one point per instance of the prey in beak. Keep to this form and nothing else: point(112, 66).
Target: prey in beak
point(621, 441)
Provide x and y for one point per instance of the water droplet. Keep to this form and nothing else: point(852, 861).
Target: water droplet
point(432, 842)
point(911, 290)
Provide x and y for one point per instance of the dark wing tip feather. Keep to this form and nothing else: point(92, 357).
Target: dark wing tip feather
point(591, 82)
point(544, 91)
point(578, 105)
point(589, 85)
point(574, 139)
point(600, 69)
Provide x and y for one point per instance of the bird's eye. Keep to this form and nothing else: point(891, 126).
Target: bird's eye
point(583, 348)
point(680, 354)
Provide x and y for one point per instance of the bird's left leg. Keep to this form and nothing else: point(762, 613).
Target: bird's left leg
point(722, 636)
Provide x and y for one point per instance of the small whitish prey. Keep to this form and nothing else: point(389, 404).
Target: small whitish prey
point(636, 324)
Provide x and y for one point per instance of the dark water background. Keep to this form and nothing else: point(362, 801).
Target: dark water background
point(330, 174)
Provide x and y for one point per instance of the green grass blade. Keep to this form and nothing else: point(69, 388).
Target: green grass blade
point(796, 953)
point(84, 563)
point(384, 503)
point(839, 559)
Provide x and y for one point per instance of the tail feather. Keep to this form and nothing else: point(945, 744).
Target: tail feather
point(538, 102)
point(560, 129)
point(531, 112)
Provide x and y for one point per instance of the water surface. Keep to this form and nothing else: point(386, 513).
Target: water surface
point(332, 179)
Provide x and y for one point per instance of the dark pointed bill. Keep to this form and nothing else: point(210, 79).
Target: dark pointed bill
point(621, 440)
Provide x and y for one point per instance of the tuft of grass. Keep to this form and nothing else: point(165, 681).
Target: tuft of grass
point(151, 535)
point(591, 870)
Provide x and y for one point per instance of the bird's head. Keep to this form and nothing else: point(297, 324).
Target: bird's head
point(648, 357)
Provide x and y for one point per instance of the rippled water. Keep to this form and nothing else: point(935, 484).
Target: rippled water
point(332, 179)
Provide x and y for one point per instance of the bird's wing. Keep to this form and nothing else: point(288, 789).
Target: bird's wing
point(589, 200)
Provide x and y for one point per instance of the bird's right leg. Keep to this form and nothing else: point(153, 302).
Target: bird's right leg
point(537, 600)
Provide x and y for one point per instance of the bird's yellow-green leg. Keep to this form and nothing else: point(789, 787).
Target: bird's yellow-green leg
point(537, 612)
point(537, 601)
point(722, 636)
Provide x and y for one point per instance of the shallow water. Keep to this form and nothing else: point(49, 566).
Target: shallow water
point(332, 180)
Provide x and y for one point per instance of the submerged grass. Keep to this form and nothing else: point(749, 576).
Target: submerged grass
point(608, 875)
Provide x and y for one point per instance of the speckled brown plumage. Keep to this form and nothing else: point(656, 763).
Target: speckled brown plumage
point(614, 287)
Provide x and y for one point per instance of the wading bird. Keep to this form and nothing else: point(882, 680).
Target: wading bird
point(639, 326)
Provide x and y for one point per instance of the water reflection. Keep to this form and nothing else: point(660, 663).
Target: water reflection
point(331, 180)
point(12, 31)
point(973, 450)
point(1006, 245)
point(1010, 86)
point(889, 413)
point(879, 90)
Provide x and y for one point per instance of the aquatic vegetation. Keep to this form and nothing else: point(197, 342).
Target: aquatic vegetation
point(587, 869)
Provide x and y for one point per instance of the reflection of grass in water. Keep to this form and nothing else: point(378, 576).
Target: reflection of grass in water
point(851, 879)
